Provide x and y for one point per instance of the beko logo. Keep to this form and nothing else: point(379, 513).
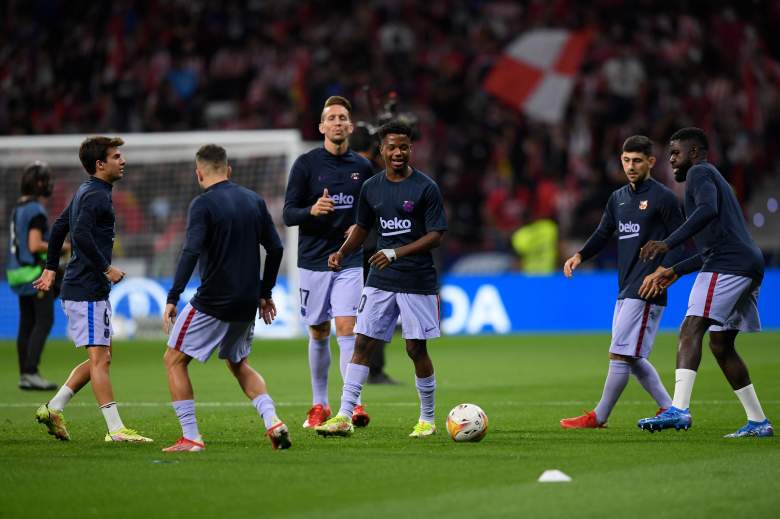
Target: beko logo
point(628, 227)
point(395, 225)
point(342, 201)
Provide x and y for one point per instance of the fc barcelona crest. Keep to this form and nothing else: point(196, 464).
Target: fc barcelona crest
point(355, 176)
point(642, 205)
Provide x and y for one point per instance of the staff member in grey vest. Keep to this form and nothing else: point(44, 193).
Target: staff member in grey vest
point(29, 238)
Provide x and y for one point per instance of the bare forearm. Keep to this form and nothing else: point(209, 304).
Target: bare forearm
point(354, 240)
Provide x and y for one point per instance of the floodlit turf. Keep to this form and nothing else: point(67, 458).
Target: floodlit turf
point(524, 383)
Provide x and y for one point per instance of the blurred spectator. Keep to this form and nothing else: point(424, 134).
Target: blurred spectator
point(651, 68)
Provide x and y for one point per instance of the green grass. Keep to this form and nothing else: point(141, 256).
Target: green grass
point(524, 383)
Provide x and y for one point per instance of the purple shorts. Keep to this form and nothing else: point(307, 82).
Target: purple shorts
point(89, 322)
point(378, 313)
point(731, 301)
point(197, 335)
point(327, 294)
point(634, 326)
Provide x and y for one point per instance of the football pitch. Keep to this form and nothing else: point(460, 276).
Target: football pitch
point(524, 383)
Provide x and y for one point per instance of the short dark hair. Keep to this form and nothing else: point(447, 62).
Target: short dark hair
point(34, 174)
point(396, 127)
point(692, 134)
point(363, 137)
point(212, 154)
point(337, 100)
point(638, 144)
point(94, 149)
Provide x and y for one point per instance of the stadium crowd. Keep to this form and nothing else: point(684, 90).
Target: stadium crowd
point(125, 66)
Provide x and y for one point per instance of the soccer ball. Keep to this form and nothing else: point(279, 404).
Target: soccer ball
point(467, 423)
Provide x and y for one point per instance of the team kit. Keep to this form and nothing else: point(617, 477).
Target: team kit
point(335, 198)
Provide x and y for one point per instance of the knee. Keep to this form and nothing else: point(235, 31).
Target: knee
point(416, 349)
point(345, 326)
point(173, 359)
point(720, 346)
point(101, 357)
point(693, 328)
point(320, 332)
point(363, 349)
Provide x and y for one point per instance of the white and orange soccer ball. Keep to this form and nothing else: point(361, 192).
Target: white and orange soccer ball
point(467, 423)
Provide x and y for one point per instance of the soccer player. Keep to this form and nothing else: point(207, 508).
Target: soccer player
point(724, 297)
point(26, 259)
point(406, 208)
point(364, 141)
point(89, 217)
point(226, 225)
point(641, 210)
point(321, 193)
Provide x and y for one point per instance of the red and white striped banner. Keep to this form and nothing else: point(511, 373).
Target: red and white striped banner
point(537, 70)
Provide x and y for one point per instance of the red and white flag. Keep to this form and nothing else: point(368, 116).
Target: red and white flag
point(537, 70)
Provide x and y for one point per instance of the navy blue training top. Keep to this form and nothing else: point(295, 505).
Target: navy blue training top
point(226, 225)
point(717, 225)
point(89, 218)
point(319, 236)
point(402, 212)
point(649, 213)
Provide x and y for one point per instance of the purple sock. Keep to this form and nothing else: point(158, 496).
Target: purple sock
point(353, 385)
point(265, 408)
point(185, 412)
point(617, 378)
point(319, 363)
point(426, 389)
point(648, 377)
point(346, 349)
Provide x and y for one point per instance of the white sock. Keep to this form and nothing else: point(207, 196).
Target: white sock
point(747, 395)
point(353, 385)
point(61, 399)
point(683, 388)
point(111, 414)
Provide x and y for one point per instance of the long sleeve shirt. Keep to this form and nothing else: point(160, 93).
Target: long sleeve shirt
point(226, 226)
point(649, 213)
point(319, 236)
point(717, 226)
point(89, 217)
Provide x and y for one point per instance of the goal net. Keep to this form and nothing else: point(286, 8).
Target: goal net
point(151, 204)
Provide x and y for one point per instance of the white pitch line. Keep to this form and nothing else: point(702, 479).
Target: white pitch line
point(410, 403)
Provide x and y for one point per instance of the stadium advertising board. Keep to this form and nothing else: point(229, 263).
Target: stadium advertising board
point(511, 303)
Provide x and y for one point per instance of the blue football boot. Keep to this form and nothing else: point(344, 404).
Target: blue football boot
point(672, 417)
point(757, 429)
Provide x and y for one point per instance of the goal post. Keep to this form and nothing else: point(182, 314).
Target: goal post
point(151, 204)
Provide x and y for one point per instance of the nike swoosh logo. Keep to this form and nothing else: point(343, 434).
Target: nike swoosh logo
point(622, 203)
point(429, 329)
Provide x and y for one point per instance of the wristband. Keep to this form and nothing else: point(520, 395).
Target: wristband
point(390, 254)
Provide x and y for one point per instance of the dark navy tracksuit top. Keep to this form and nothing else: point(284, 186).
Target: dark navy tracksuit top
point(716, 223)
point(89, 218)
point(226, 225)
point(319, 236)
point(649, 213)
